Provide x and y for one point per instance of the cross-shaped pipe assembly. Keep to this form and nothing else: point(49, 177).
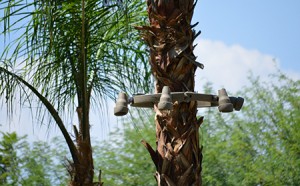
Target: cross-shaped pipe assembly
point(166, 99)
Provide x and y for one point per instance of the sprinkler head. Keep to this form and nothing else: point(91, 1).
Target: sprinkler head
point(121, 107)
point(165, 101)
point(224, 102)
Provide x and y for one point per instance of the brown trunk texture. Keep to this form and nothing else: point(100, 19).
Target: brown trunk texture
point(170, 37)
point(82, 172)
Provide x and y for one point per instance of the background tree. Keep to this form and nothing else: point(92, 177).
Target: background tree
point(68, 55)
point(259, 145)
point(9, 161)
point(123, 158)
point(27, 164)
point(170, 38)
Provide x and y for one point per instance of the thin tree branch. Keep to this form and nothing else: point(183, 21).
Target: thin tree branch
point(53, 113)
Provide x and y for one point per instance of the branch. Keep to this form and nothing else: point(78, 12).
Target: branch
point(53, 113)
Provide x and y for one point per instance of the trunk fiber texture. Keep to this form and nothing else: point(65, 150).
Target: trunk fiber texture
point(170, 38)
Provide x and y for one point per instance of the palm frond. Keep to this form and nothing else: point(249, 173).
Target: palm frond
point(8, 77)
point(48, 44)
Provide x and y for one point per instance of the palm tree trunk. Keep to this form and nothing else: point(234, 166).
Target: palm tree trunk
point(170, 37)
point(82, 173)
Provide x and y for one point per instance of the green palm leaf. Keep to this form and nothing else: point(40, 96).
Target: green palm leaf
point(47, 51)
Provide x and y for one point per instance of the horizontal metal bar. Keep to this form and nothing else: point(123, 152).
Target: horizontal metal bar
point(148, 100)
point(203, 100)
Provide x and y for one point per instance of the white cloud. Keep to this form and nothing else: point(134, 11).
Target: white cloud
point(229, 66)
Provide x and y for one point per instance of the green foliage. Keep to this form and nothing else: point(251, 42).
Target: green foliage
point(260, 145)
point(27, 165)
point(9, 145)
point(123, 159)
point(62, 48)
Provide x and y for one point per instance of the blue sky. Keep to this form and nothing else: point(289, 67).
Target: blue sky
point(271, 27)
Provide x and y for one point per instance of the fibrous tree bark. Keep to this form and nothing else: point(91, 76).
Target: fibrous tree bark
point(170, 38)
